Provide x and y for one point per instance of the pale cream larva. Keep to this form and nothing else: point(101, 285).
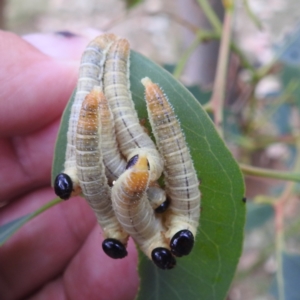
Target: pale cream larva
point(91, 175)
point(90, 75)
point(114, 162)
point(182, 185)
point(130, 134)
point(136, 215)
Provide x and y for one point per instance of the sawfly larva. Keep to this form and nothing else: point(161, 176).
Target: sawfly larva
point(91, 175)
point(131, 136)
point(90, 75)
point(114, 163)
point(136, 215)
point(182, 185)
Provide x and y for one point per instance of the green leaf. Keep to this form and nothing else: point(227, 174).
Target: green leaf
point(61, 142)
point(288, 287)
point(132, 3)
point(8, 229)
point(208, 271)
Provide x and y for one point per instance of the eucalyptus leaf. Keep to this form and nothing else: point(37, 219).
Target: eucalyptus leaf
point(208, 271)
point(8, 229)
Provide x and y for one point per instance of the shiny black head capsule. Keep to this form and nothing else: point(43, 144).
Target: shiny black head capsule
point(114, 248)
point(63, 186)
point(163, 258)
point(163, 207)
point(182, 243)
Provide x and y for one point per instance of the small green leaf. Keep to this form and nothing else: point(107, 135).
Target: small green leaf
point(61, 141)
point(8, 229)
point(208, 271)
point(132, 3)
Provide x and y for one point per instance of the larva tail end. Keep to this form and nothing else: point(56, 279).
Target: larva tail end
point(163, 258)
point(146, 81)
point(153, 94)
point(182, 243)
point(125, 46)
point(63, 186)
point(121, 48)
point(114, 248)
point(103, 40)
point(90, 102)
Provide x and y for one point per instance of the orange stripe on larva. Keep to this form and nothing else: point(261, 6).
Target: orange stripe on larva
point(90, 75)
point(91, 170)
point(133, 209)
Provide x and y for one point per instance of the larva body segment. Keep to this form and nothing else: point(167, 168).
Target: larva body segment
point(91, 170)
point(135, 213)
point(90, 75)
point(181, 180)
point(131, 136)
point(114, 163)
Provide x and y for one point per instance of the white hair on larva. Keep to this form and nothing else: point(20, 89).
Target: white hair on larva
point(133, 209)
point(181, 182)
point(114, 162)
point(90, 75)
point(131, 136)
point(91, 170)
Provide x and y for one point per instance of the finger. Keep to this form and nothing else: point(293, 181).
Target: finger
point(114, 282)
point(93, 275)
point(42, 248)
point(26, 162)
point(35, 87)
point(52, 290)
point(62, 44)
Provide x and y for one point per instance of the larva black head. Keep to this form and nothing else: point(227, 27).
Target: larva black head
point(63, 186)
point(163, 258)
point(182, 243)
point(163, 207)
point(132, 161)
point(114, 248)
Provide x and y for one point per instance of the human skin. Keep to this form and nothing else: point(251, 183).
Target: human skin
point(58, 254)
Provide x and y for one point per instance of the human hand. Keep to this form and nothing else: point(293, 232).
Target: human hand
point(58, 254)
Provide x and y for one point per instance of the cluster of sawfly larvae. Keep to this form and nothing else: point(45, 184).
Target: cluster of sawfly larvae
point(111, 160)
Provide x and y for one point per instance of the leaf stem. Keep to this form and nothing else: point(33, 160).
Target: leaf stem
point(267, 173)
point(45, 207)
point(252, 15)
point(218, 96)
point(211, 15)
point(279, 222)
point(12, 229)
point(201, 36)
